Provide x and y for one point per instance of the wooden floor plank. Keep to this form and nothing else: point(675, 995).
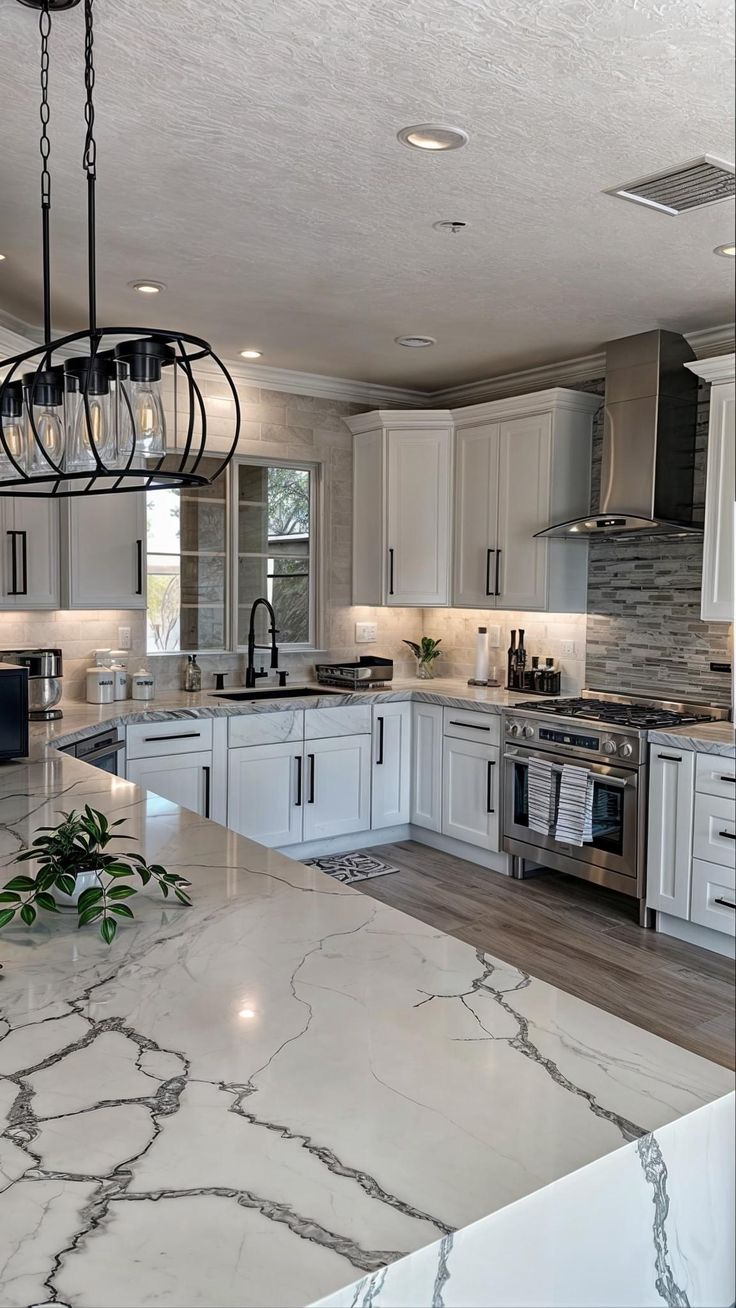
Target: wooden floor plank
point(576, 936)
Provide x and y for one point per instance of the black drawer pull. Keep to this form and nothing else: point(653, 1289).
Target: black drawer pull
point(498, 572)
point(379, 759)
point(731, 779)
point(671, 758)
point(310, 761)
point(489, 552)
point(728, 835)
point(489, 787)
point(474, 726)
point(183, 735)
point(139, 567)
point(727, 903)
point(390, 572)
point(207, 789)
point(298, 800)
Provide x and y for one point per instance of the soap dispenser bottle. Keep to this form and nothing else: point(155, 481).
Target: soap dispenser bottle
point(193, 675)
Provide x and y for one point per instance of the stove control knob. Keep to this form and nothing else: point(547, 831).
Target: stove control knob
point(609, 747)
point(513, 728)
point(527, 731)
point(625, 750)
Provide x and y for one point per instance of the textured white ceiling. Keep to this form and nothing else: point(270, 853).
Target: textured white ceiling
point(248, 158)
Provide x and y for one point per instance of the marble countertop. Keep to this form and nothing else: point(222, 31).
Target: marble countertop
point(255, 1100)
point(705, 738)
point(649, 1224)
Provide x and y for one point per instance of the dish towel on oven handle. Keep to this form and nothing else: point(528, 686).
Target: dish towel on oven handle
point(575, 806)
point(541, 796)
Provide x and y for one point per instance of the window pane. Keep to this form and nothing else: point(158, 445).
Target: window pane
point(274, 508)
point(187, 567)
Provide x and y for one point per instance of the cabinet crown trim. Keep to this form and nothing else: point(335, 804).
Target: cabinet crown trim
point(722, 368)
point(556, 398)
point(409, 418)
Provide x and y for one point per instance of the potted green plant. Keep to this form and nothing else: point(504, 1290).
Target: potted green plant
point(425, 652)
point(74, 871)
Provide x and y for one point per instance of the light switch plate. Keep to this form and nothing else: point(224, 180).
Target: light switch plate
point(124, 637)
point(365, 633)
point(567, 648)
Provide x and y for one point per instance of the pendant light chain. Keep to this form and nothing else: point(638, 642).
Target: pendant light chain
point(89, 160)
point(44, 26)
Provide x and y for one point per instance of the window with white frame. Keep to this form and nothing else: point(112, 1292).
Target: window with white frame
point(212, 551)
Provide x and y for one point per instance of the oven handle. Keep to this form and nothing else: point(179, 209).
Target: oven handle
point(111, 747)
point(621, 782)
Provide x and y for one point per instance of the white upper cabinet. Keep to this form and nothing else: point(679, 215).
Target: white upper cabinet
point(103, 549)
point(402, 498)
point(717, 596)
point(522, 464)
point(29, 546)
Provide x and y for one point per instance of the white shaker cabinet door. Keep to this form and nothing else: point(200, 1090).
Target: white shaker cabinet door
point(523, 508)
point(184, 779)
point(717, 598)
point(104, 552)
point(418, 536)
point(265, 793)
point(391, 764)
point(477, 566)
point(470, 792)
point(670, 829)
point(29, 542)
point(426, 780)
point(337, 786)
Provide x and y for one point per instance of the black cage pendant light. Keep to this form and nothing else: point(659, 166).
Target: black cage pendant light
point(85, 414)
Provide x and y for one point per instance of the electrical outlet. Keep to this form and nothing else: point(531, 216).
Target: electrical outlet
point(365, 633)
point(124, 637)
point(567, 648)
point(494, 636)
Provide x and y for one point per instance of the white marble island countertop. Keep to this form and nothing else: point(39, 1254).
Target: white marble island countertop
point(702, 738)
point(259, 1099)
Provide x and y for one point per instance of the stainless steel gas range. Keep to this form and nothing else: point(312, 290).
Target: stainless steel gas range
point(607, 734)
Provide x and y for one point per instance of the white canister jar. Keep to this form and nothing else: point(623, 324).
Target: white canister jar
point(142, 685)
point(100, 686)
point(120, 678)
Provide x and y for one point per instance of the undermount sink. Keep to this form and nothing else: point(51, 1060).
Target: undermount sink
point(278, 692)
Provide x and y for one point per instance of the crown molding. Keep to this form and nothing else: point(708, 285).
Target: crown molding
point(718, 369)
point(553, 399)
point(328, 388)
point(713, 340)
point(406, 419)
point(586, 368)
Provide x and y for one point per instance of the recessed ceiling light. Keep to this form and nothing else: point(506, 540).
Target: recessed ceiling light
point(415, 342)
point(453, 225)
point(148, 287)
point(726, 251)
point(433, 136)
point(2, 256)
point(251, 354)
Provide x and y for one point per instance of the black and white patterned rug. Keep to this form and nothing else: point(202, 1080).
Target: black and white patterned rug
point(351, 867)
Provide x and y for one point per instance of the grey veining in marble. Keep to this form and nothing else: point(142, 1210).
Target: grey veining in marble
point(651, 1224)
point(709, 738)
point(258, 1099)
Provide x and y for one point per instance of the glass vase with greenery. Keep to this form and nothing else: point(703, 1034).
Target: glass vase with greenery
point(75, 871)
point(425, 653)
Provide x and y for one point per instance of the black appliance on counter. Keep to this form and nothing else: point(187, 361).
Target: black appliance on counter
point(369, 673)
point(101, 750)
point(13, 711)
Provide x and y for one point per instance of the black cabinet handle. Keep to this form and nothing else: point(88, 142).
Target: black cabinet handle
point(298, 800)
point(489, 787)
point(24, 542)
point(727, 903)
point(671, 758)
point(139, 567)
point(391, 572)
point(731, 779)
point(489, 552)
point(473, 726)
point(207, 787)
point(498, 573)
point(728, 835)
point(310, 761)
point(379, 759)
point(182, 735)
point(13, 564)
point(15, 589)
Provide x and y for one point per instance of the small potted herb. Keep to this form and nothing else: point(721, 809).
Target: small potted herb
point(425, 653)
point(74, 871)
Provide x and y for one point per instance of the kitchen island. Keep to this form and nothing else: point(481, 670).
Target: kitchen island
point(256, 1100)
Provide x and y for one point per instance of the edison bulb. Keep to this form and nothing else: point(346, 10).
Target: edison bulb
point(13, 441)
point(148, 418)
point(49, 423)
point(93, 419)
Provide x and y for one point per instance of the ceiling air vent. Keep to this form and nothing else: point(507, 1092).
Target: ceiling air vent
point(690, 185)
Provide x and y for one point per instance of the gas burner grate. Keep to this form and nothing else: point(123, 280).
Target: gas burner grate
point(641, 717)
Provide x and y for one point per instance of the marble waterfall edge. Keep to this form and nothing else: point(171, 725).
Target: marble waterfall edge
point(282, 1089)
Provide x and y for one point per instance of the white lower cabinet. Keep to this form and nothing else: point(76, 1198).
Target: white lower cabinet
point(337, 786)
point(713, 901)
point(391, 765)
point(426, 766)
point(184, 779)
point(470, 792)
point(265, 792)
point(670, 829)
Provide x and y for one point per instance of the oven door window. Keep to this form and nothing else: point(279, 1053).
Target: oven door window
point(608, 808)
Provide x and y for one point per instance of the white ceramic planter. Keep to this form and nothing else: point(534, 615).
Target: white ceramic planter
point(84, 881)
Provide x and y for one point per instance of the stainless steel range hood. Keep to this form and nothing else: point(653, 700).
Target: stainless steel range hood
point(650, 422)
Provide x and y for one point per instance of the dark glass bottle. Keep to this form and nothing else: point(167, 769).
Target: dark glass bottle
point(510, 662)
point(520, 660)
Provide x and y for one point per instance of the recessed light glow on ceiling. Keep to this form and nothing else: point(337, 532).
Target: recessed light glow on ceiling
point(726, 251)
point(148, 287)
point(415, 342)
point(2, 256)
point(247, 1013)
point(433, 136)
point(251, 354)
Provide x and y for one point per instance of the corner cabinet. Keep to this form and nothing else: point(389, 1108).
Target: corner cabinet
point(103, 552)
point(402, 507)
point(717, 595)
point(521, 465)
point(29, 546)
